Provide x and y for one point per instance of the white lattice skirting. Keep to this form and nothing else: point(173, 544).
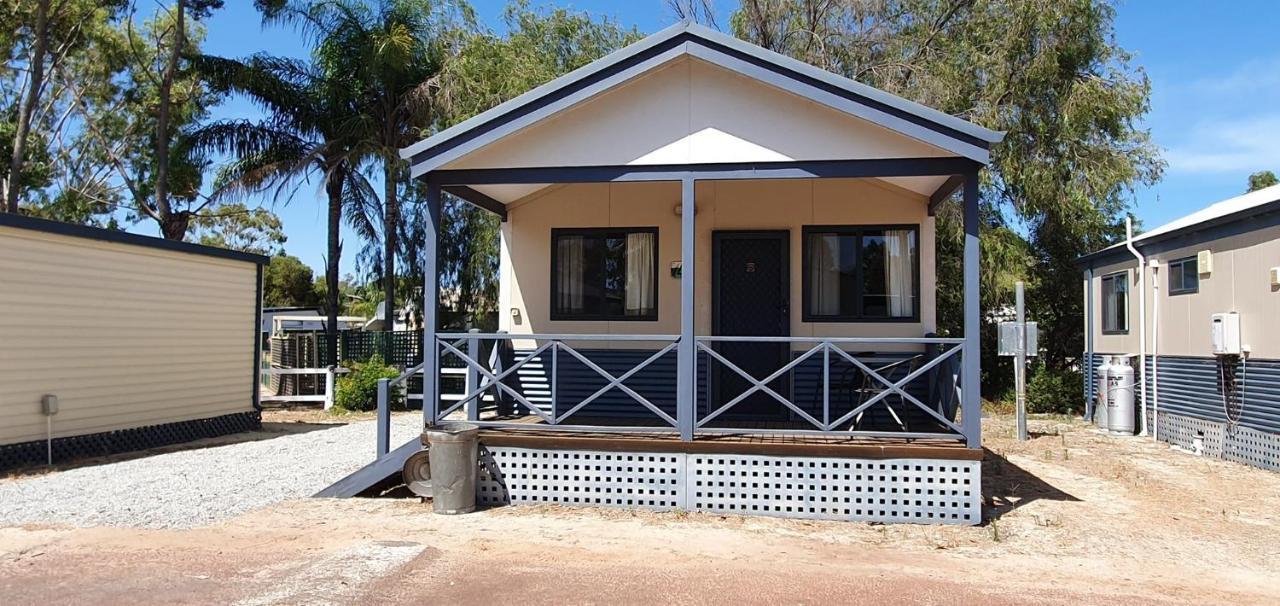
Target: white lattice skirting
point(920, 491)
point(1239, 444)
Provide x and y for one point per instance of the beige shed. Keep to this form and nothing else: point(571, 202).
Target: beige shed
point(129, 341)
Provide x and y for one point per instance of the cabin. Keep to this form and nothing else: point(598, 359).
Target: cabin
point(1192, 309)
point(718, 291)
point(138, 342)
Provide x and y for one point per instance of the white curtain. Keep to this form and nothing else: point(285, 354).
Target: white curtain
point(899, 268)
point(641, 260)
point(569, 286)
point(824, 274)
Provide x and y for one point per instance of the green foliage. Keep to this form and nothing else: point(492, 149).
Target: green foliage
point(234, 226)
point(1048, 73)
point(1262, 179)
point(358, 389)
point(288, 282)
point(1052, 390)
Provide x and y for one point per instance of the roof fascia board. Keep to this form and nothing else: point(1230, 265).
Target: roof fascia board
point(419, 167)
point(811, 169)
point(853, 86)
point(124, 237)
point(518, 101)
point(1237, 223)
point(924, 123)
point(843, 104)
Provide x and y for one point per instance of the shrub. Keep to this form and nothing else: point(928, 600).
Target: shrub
point(358, 389)
point(1054, 391)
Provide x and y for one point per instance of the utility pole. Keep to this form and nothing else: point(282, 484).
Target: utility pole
point(1020, 365)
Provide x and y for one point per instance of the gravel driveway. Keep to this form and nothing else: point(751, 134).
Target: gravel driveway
point(198, 485)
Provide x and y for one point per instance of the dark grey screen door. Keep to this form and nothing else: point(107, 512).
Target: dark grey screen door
point(750, 297)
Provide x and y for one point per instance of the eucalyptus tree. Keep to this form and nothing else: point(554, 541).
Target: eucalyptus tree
point(1048, 72)
point(310, 131)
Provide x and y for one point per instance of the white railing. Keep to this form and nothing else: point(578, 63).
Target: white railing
point(330, 381)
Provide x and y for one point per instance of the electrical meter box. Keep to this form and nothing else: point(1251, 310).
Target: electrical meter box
point(1225, 335)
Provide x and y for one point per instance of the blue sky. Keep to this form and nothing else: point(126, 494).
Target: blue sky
point(1214, 69)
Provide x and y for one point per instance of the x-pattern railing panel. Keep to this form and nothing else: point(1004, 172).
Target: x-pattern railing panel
point(491, 380)
point(825, 348)
point(760, 385)
point(555, 345)
point(895, 387)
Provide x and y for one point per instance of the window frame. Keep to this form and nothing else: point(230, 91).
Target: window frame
point(603, 232)
point(857, 318)
point(1180, 264)
point(1123, 277)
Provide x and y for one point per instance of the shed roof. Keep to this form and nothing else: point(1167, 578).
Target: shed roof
point(1231, 209)
point(948, 133)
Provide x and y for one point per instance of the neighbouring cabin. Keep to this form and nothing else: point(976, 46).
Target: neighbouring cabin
point(718, 291)
point(1213, 272)
point(143, 342)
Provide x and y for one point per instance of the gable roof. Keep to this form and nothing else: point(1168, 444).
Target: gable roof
point(1239, 208)
point(690, 39)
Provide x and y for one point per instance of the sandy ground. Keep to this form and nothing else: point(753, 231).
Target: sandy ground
point(1075, 517)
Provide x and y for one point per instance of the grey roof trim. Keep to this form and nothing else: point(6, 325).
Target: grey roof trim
point(542, 91)
point(124, 237)
point(853, 86)
point(912, 119)
point(1244, 221)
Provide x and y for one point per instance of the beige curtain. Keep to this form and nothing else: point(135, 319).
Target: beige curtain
point(569, 269)
point(899, 269)
point(824, 274)
point(641, 260)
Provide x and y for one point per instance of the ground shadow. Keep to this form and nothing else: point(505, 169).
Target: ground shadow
point(269, 431)
point(1006, 487)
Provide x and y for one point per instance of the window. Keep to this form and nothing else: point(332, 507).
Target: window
point(1115, 303)
point(604, 274)
point(1184, 276)
point(861, 273)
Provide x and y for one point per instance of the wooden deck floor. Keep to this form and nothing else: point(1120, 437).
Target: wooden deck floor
point(539, 436)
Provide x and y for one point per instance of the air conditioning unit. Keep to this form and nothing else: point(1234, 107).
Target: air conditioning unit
point(1225, 334)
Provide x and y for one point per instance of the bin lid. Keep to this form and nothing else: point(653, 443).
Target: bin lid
point(451, 432)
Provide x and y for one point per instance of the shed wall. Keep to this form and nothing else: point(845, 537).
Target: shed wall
point(126, 336)
point(1239, 282)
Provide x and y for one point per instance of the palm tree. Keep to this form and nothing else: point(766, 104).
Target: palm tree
point(309, 132)
point(393, 52)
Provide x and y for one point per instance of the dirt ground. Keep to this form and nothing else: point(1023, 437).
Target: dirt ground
point(1073, 517)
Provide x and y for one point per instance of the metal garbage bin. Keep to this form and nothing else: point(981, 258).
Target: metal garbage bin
point(454, 459)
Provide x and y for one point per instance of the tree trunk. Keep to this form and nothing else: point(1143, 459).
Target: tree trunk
point(162, 129)
point(391, 226)
point(173, 226)
point(28, 106)
point(334, 189)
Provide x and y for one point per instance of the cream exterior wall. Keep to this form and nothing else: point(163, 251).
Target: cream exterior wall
point(1239, 282)
point(125, 336)
point(721, 205)
point(689, 111)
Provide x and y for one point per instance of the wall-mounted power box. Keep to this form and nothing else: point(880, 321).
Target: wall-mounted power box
point(1225, 334)
point(1204, 262)
point(1275, 277)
